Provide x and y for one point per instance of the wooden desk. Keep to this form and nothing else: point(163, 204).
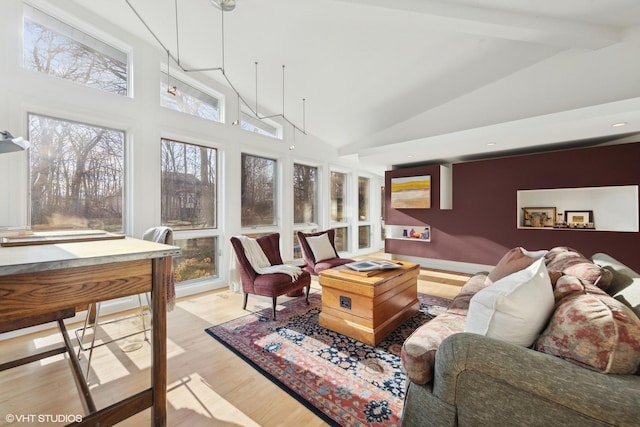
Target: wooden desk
point(36, 281)
point(368, 306)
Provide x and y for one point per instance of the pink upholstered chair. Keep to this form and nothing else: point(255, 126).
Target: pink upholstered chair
point(319, 251)
point(269, 285)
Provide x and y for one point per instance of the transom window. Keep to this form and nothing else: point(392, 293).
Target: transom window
point(263, 127)
point(188, 99)
point(77, 175)
point(58, 49)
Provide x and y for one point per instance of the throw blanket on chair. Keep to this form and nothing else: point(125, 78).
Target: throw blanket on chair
point(260, 262)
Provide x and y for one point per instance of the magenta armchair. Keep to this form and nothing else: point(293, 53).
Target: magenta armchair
point(319, 251)
point(269, 285)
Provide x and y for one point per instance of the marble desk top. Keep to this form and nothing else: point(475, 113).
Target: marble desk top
point(38, 258)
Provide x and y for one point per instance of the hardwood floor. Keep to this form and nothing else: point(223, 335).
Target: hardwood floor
point(208, 385)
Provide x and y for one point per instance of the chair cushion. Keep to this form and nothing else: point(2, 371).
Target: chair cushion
point(321, 247)
point(515, 308)
point(330, 263)
point(592, 329)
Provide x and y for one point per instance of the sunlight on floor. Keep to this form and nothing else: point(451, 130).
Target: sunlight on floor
point(194, 399)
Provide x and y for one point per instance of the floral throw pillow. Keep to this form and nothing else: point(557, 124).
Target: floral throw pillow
point(592, 329)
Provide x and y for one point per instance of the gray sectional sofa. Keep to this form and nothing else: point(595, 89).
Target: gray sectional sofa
point(475, 380)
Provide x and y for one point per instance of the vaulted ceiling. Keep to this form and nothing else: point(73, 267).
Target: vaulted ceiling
point(410, 81)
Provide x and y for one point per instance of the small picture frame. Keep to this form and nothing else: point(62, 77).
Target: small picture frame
point(539, 217)
point(579, 219)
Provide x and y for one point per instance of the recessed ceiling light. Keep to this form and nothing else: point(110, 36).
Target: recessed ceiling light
point(617, 125)
point(490, 144)
point(409, 156)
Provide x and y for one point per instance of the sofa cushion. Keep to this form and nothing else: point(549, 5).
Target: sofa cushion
point(515, 308)
point(418, 352)
point(592, 329)
point(562, 260)
point(460, 304)
point(321, 247)
point(514, 260)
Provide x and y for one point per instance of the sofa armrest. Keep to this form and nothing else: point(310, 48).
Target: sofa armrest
point(610, 398)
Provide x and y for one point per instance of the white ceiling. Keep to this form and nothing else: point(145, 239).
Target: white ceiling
point(410, 81)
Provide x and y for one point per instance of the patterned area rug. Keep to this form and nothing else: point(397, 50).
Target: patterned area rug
point(344, 381)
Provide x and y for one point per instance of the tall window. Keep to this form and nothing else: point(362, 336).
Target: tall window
point(364, 223)
point(188, 185)
point(189, 202)
point(76, 174)
point(305, 202)
point(187, 99)
point(339, 201)
point(58, 49)
point(258, 191)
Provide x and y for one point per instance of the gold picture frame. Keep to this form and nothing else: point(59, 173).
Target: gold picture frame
point(538, 217)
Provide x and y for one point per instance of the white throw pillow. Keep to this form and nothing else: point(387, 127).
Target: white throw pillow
point(515, 308)
point(321, 247)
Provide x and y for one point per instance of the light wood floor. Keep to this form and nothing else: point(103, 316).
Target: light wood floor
point(208, 385)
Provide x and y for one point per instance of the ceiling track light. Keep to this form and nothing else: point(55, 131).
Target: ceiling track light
point(224, 6)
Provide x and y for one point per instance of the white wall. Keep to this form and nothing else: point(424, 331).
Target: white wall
point(145, 122)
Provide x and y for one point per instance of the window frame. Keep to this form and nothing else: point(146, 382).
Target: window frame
point(124, 200)
point(277, 195)
point(348, 205)
point(201, 233)
point(177, 76)
point(31, 12)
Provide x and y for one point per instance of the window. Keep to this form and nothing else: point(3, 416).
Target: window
point(305, 203)
point(305, 189)
point(198, 260)
point(76, 174)
point(339, 203)
point(263, 127)
point(189, 182)
point(338, 196)
point(258, 187)
point(55, 48)
point(188, 99)
point(364, 225)
point(189, 202)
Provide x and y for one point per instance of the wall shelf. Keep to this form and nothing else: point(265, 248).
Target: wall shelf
point(615, 208)
point(396, 232)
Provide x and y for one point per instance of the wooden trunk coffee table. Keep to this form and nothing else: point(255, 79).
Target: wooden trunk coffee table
point(367, 306)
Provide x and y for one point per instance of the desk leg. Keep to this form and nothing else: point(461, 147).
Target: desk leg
point(160, 275)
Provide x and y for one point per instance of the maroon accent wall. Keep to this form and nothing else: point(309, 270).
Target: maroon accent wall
point(482, 225)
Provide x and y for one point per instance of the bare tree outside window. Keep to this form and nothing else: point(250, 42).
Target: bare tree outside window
point(258, 187)
point(55, 48)
point(363, 198)
point(305, 179)
point(188, 186)
point(338, 196)
point(77, 175)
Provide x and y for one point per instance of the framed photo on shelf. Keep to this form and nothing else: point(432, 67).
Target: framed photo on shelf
point(539, 217)
point(579, 219)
